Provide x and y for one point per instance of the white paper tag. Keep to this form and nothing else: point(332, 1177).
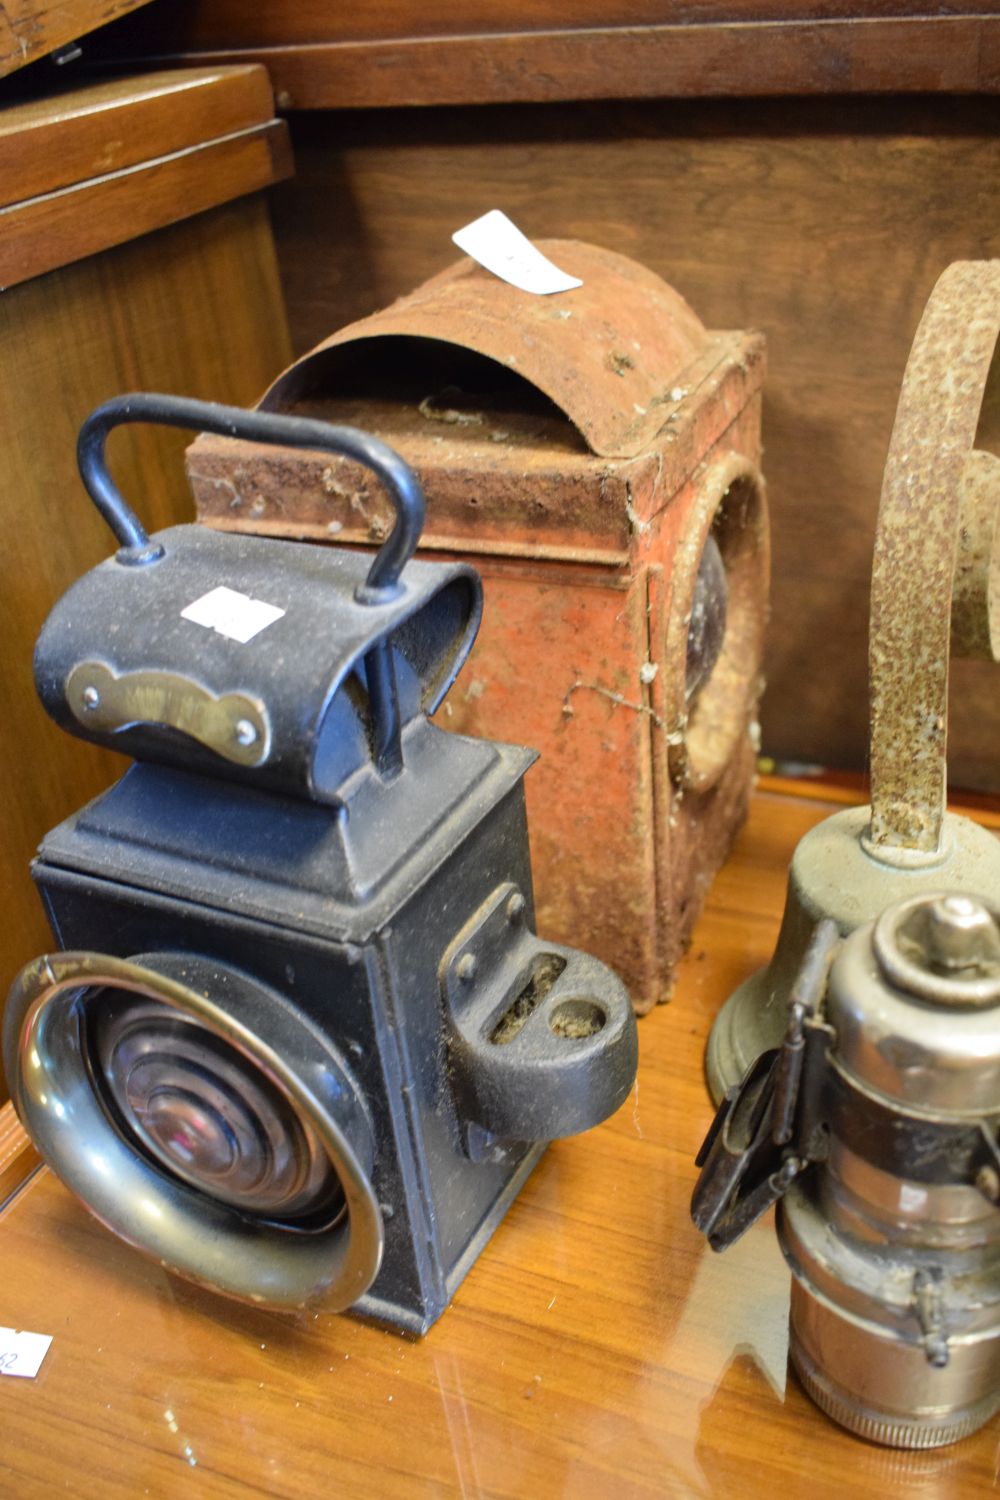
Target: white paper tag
point(22, 1353)
point(232, 614)
point(500, 246)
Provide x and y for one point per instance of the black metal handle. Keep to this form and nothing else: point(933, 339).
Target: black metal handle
point(390, 469)
point(394, 473)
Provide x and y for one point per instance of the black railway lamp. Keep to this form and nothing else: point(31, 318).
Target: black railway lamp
point(301, 1043)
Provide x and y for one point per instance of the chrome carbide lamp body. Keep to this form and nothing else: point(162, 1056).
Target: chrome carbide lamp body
point(302, 1044)
point(876, 1127)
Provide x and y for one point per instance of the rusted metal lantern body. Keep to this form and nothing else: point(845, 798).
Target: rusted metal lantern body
point(583, 450)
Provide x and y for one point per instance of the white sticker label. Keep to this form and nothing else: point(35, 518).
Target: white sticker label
point(22, 1353)
point(500, 246)
point(232, 614)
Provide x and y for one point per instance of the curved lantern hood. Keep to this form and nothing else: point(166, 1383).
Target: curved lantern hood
point(121, 662)
point(607, 353)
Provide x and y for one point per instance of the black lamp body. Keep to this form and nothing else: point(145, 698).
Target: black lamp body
point(353, 897)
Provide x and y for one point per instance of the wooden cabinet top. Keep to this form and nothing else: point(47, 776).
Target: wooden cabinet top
point(84, 170)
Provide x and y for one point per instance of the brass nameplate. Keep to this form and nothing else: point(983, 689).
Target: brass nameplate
point(233, 725)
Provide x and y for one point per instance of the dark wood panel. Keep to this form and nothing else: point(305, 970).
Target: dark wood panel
point(597, 1348)
point(205, 24)
point(824, 223)
point(58, 140)
point(398, 55)
point(891, 56)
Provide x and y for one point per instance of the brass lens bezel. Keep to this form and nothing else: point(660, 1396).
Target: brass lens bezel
point(190, 1233)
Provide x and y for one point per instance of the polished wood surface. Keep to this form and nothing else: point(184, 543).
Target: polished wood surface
point(29, 29)
point(597, 1348)
point(46, 233)
point(823, 223)
point(402, 52)
point(63, 139)
point(17, 1155)
point(130, 159)
point(196, 309)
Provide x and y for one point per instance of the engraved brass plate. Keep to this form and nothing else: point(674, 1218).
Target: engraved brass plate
point(233, 725)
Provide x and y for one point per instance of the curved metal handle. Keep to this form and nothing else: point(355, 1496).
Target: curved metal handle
point(394, 473)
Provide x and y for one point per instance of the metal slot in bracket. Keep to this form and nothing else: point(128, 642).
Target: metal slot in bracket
point(541, 1037)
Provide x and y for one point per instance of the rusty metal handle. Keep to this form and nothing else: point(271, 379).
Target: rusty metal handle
point(936, 487)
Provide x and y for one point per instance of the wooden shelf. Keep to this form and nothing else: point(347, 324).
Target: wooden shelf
point(396, 52)
point(84, 171)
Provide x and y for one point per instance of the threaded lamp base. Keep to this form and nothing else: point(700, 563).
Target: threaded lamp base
point(889, 1429)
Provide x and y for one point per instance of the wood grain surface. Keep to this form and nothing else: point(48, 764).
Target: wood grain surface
point(31, 28)
point(63, 139)
point(597, 1348)
point(18, 1158)
point(42, 234)
point(825, 223)
point(194, 309)
point(96, 167)
point(321, 56)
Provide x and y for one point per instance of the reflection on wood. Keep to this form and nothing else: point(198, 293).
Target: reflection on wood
point(18, 1158)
